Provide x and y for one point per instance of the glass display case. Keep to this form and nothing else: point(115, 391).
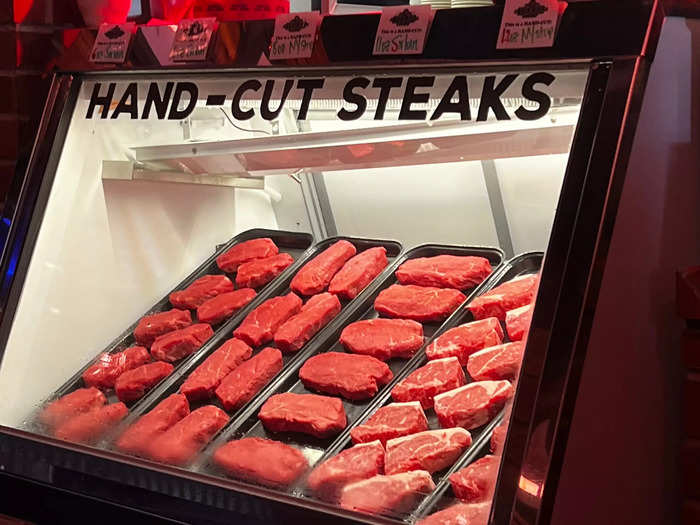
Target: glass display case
point(350, 291)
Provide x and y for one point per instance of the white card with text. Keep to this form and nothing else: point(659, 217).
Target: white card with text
point(294, 36)
point(528, 24)
point(403, 30)
point(112, 43)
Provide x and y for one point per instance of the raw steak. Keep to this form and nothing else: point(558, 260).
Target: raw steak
point(315, 275)
point(180, 443)
point(353, 464)
point(464, 340)
point(138, 437)
point(348, 375)
point(90, 426)
point(398, 493)
point(512, 294)
point(431, 450)
point(392, 421)
point(518, 322)
point(133, 384)
point(260, 325)
point(426, 382)
point(224, 306)
point(262, 461)
point(200, 291)
point(230, 260)
point(383, 338)
point(175, 345)
point(497, 362)
point(476, 482)
point(246, 380)
point(498, 438)
point(202, 382)
point(109, 367)
point(296, 331)
point(460, 514)
point(152, 326)
point(358, 272)
point(319, 416)
point(77, 402)
point(472, 405)
point(255, 274)
point(420, 303)
point(445, 271)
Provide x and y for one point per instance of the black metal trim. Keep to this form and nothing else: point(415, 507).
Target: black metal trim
point(33, 195)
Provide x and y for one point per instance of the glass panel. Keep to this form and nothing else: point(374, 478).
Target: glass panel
point(157, 177)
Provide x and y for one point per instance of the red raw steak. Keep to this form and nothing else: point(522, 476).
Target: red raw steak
point(476, 482)
point(315, 275)
point(397, 493)
point(392, 421)
point(498, 438)
point(512, 294)
point(260, 325)
point(70, 405)
point(460, 514)
point(90, 426)
point(296, 331)
point(255, 274)
point(202, 382)
point(464, 340)
point(152, 326)
point(246, 380)
point(348, 375)
point(472, 405)
point(353, 464)
point(244, 252)
point(383, 338)
point(224, 306)
point(518, 322)
point(109, 367)
point(319, 416)
point(497, 362)
point(180, 443)
point(262, 461)
point(431, 450)
point(200, 291)
point(138, 437)
point(358, 272)
point(430, 380)
point(134, 383)
point(445, 271)
point(175, 345)
point(420, 303)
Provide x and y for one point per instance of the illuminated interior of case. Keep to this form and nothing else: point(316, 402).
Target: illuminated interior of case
point(138, 204)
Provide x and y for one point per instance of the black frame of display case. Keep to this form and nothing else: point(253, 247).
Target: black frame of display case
point(558, 337)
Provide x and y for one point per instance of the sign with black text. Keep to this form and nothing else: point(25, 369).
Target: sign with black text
point(403, 30)
point(294, 36)
point(479, 97)
point(112, 43)
point(192, 38)
point(528, 24)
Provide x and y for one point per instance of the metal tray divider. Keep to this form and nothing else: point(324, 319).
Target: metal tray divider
point(280, 285)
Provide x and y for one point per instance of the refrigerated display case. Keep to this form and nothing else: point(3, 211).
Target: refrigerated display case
point(143, 182)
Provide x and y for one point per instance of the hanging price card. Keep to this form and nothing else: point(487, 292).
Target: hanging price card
point(528, 23)
point(402, 30)
point(295, 34)
point(192, 39)
point(112, 43)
